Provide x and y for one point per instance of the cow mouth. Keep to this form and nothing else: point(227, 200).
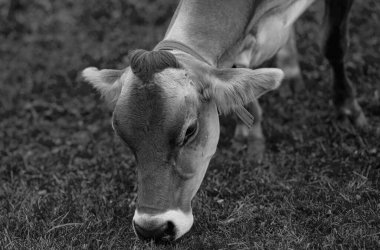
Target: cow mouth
point(162, 234)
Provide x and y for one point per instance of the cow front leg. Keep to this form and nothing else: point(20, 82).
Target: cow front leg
point(253, 137)
point(335, 47)
point(287, 60)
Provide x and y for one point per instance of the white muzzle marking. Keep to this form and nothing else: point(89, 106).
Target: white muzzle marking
point(182, 221)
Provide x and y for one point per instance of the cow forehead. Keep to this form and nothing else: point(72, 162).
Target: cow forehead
point(174, 84)
point(155, 109)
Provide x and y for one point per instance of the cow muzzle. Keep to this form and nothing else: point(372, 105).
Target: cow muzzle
point(167, 226)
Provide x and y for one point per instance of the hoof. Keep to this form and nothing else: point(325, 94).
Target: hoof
point(353, 112)
point(255, 150)
point(360, 121)
point(253, 141)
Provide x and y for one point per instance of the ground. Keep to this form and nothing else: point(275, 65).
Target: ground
point(66, 181)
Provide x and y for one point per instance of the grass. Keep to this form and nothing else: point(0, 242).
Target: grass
point(66, 182)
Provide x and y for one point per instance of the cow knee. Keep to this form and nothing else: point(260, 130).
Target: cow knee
point(287, 59)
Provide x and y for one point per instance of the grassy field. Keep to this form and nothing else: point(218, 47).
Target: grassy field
point(66, 181)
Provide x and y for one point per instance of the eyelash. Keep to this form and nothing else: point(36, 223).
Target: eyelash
point(191, 131)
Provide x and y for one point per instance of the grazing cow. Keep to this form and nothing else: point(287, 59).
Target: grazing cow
point(166, 103)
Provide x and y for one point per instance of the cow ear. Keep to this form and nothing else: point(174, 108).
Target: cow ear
point(106, 81)
point(233, 88)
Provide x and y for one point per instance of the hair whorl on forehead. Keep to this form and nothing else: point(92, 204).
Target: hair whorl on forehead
point(146, 63)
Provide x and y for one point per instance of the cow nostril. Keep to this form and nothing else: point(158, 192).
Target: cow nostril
point(170, 229)
point(149, 233)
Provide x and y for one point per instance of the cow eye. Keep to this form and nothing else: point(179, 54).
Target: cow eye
point(190, 132)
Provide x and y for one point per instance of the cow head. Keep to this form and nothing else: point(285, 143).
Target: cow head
point(165, 108)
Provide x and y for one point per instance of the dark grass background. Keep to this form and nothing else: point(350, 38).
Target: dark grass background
point(67, 182)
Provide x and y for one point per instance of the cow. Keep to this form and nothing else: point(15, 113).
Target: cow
point(166, 103)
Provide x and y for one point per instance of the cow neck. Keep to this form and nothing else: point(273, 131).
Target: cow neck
point(240, 111)
point(176, 45)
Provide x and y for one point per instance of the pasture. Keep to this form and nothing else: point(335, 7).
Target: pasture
point(67, 182)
